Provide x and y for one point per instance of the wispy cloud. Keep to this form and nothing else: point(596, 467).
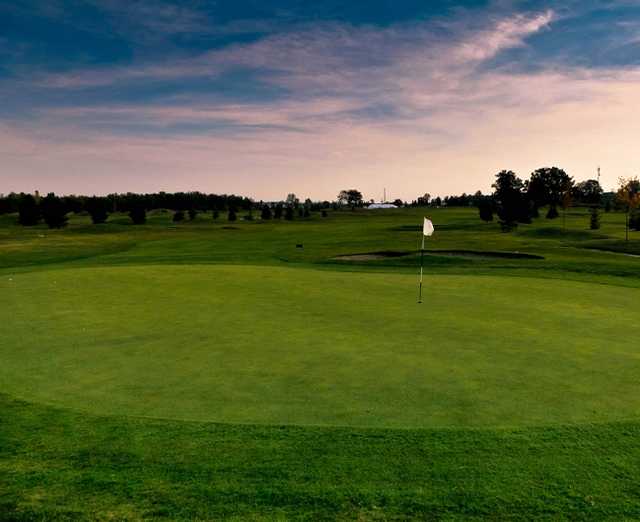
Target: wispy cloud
point(357, 105)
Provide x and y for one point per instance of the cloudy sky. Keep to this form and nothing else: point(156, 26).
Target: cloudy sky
point(266, 97)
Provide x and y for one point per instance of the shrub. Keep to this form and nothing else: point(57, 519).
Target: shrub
point(215, 214)
point(324, 214)
point(178, 216)
point(138, 215)
point(192, 214)
point(232, 215)
point(266, 212)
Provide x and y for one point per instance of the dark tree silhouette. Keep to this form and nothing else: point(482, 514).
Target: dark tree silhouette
point(28, 211)
point(288, 213)
point(232, 215)
point(351, 197)
point(548, 186)
point(587, 192)
point(192, 214)
point(178, 216)
point(54, 211)
point(508, 198)
point(485, 209)
point(97, 209)
point(138, 215)
point(265, 214)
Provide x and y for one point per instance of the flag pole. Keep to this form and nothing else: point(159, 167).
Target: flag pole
point(421, 267)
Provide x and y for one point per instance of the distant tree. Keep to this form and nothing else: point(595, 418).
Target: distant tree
point(300, 212)
point(53, 211)
point(9, 203)
point(587, 192)
point(437, 202)
point(628, 197)
point(192, 213)
point(423, 201)
point(215, 214)
point(288, 213)
point(178, 216)
point(265, 214)
point(351, 197)
point(485, 209)
point(307, 212)
point(398, 202)
point(28, 211)
point(232, 215)
point(548, 186)
point(138, 214)
point(292, 200)
point(98, 209)
point(324, 213)
point(508, 198)
point(594, 218)
point(277, 211)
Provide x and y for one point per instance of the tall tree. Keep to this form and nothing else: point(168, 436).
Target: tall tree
point(28, 210)
point(588, 192)
point(54, 211)
point(97, 209)
point(629, 197)
point(351, 197)
point(549, 186)
point(508, 198)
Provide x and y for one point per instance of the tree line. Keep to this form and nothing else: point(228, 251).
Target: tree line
point(53, 210)
point(520, 201)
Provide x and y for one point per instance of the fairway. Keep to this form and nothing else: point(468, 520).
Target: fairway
point(276, 345)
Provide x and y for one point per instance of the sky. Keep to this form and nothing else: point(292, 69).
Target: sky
point(263, 98)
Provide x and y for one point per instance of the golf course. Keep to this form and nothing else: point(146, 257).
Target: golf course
point(276, 370)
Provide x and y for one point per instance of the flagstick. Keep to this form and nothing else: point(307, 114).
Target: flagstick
point(421, 266)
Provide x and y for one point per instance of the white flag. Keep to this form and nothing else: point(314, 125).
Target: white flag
point(427, 228)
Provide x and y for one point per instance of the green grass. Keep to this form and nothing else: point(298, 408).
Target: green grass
point(201, 372)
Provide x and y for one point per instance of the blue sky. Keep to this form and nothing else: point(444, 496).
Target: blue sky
point(264, 98)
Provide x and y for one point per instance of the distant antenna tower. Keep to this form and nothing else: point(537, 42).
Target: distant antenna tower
point(598, 174)
point(384, 195)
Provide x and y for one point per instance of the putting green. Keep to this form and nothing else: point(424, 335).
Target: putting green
point(278, 345)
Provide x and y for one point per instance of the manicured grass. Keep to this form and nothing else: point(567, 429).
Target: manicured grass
point(200, 371)
point(299, 346)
